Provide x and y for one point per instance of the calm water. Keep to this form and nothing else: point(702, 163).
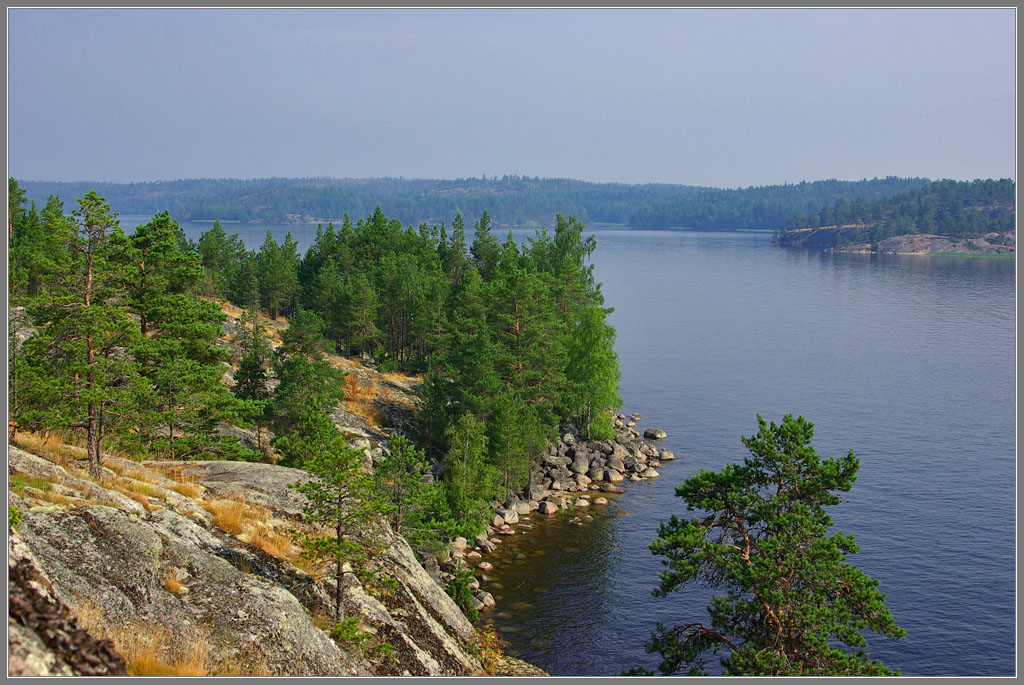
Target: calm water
point(909, 361)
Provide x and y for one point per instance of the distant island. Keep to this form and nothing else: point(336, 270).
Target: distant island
point(510, 200)
point(945, 217)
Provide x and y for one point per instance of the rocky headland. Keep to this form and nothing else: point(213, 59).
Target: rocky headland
point(852, 239)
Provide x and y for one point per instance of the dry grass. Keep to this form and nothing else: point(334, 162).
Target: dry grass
point(273, 543)
point(227, 514)
point(357, 391)
point(395, 376)
point(50, 446)
point(141, 488)
point(314, 568)
point(190, 490)
point(172, 584)
point(141, 499)
point(148, 649)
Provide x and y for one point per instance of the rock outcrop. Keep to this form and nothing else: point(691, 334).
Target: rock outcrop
point(136, 562)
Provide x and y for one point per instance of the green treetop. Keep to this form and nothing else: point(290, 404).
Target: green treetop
point(788, 595)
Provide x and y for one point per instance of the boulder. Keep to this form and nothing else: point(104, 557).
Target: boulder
point(547, 507)
point(655, 434)
point(600, 501)
point(610, 487)
point(485, 566)
point(616, 464)
point(558, 461)
point(665, 455)
point(498, 521)
point(521, 507)
point(650, 473)
point(595, 474)
point(619, 452)
point(581, 502)
point(509, 515)
point(580, 465)
point(582, 480)
point(613, 476)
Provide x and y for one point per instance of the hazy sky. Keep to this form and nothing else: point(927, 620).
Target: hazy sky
point(726, 98)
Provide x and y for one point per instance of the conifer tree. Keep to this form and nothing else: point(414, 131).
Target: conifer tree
point(762, 538)
point(338, 499)
point(485, 248)
point(79, 368)
point(470, 482)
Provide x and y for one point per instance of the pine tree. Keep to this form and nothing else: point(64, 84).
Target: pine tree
point(762, 537)
point(338, 499)
point(79, 369)
point(470, 482)
point(485, 248)
point(591, 373)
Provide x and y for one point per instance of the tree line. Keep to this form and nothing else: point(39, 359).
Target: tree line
point(510, 200)
point(513, 341)
point(957, 209)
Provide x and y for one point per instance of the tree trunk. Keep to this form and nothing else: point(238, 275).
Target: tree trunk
point(92, 444)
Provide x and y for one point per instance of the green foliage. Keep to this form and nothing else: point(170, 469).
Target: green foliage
point(14, 516)
point(470, 482)
point(458, 588)
point(762, 539)
point(509, 200)
point(339, 499)
point(78, 372)
point(957, 209)
point(405, 487)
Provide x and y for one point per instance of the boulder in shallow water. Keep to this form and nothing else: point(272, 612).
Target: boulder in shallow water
point(547, 507)
point(650, 473)
point(600, 501)
point(655, 434)
point(665, 455)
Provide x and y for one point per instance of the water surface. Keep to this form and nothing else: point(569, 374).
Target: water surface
point(909, 361)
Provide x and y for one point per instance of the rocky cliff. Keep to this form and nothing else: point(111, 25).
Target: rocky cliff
point(188, 569)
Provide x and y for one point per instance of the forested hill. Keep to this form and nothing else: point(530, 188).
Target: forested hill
point(952, 209)
point(511, 200)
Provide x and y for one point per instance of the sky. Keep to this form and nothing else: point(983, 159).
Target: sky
point(724, 98)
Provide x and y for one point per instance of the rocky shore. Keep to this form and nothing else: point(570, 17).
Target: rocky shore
point(572, 477)
point(852, 239)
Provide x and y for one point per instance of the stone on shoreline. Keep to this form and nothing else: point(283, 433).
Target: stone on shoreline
point(655, 434)
point(548, 507)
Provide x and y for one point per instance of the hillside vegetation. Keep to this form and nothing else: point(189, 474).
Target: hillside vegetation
point(510, 200)
point(974, 217)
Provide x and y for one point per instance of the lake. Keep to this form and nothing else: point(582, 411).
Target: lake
point(908, 361)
